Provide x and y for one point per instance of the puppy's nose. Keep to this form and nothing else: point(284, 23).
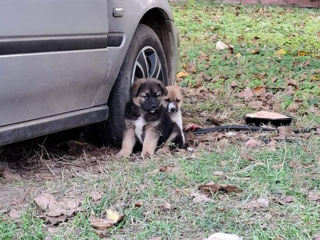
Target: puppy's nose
point(173, 109)
point(154, 106)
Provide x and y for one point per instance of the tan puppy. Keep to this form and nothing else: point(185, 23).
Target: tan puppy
point(173, 102)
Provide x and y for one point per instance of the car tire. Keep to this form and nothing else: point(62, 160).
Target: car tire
point(145, 48)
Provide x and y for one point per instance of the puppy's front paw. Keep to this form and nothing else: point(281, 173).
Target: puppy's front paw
point(163, 150)
point(123, 154)
point(146, 153)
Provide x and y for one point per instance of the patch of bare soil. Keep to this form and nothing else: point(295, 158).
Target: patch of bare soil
point(24, 169)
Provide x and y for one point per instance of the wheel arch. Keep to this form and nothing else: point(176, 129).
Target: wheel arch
point(158, 20)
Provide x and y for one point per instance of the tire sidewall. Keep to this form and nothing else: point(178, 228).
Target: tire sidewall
point(144, 36)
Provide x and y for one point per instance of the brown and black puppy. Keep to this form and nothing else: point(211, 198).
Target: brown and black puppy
point(146, 120)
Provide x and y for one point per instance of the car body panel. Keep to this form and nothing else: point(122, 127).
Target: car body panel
point(38, 85)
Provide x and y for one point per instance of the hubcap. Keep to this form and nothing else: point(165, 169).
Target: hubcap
point(147, 65)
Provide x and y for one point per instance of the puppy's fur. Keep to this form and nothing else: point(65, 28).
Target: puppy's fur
point(173, 102)
point(147, 122)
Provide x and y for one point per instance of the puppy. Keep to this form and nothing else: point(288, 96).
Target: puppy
point(173, 103)
point(147, 122)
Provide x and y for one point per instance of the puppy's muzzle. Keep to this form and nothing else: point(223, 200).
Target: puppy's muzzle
point(172, 107)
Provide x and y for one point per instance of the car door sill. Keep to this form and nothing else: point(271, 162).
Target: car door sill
point(43, 126)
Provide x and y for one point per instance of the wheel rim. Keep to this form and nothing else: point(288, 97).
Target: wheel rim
point(147, 65)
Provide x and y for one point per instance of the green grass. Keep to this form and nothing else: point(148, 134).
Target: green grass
point(125, 183)
point(251, 28)
point(269, 174)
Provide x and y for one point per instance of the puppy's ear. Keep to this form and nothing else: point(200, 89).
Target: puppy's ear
point(135, 88)
point(163, 88)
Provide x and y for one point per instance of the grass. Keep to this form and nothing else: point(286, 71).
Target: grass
point(293, 169)
point(257, 33)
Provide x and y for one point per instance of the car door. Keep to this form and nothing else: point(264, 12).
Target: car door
point(52, 57)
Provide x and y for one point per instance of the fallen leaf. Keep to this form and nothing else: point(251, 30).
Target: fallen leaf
point(199, 81)
point(221, 45)
point(284, 132)
point(255, 51)
point(113, 216)
point(253, 143)
point(283, 200)
point(314, 195)
point(246, 94)
point(96, 195)
point(259, 203)
point(99, 223)
point(56, 220)
point(293, 83)
point(166, 206)
point(200, 197)
point(44, 200)
point(218, 173)
point(9, 175)
point(214, 187)
point(293, 107)
point(234, 84)
point(255, 104)
point(14, 214)
point(138, 204)
point(281, 52)
point(223, 236)
point(259, 90)
point(213, 120)
point(182, 74)
point(166, 169)
point(316, 237)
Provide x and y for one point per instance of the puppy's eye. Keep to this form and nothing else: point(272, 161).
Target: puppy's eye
point(144, 96)
point(167, 100)
point(178, 100)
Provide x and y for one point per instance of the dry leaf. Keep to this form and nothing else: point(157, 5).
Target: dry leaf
point(281, 52)
point(113, 216)
point(293, 83)
point(259, 203)
point(44, 200)
point(284, 132)
point(182, 74)
point(293, 107)
point(165, 205)
point(253, 143)
point(255, 105)
point(234, 84)
point(314, 195)
point(200, 198)
point(138, 204)
point(166, 169)
point(214, 187)
point(96, 195)
point(259, 90)
point(221, 45)
point(316, 237)
point(246, 94)
point(9, 175)
point(223, 236)
point(56, 220)
point(283, 200)
point(14, 214)
point(99, 223)
point(255, 51)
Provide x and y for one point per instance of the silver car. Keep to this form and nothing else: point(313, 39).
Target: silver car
point(70, 63)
